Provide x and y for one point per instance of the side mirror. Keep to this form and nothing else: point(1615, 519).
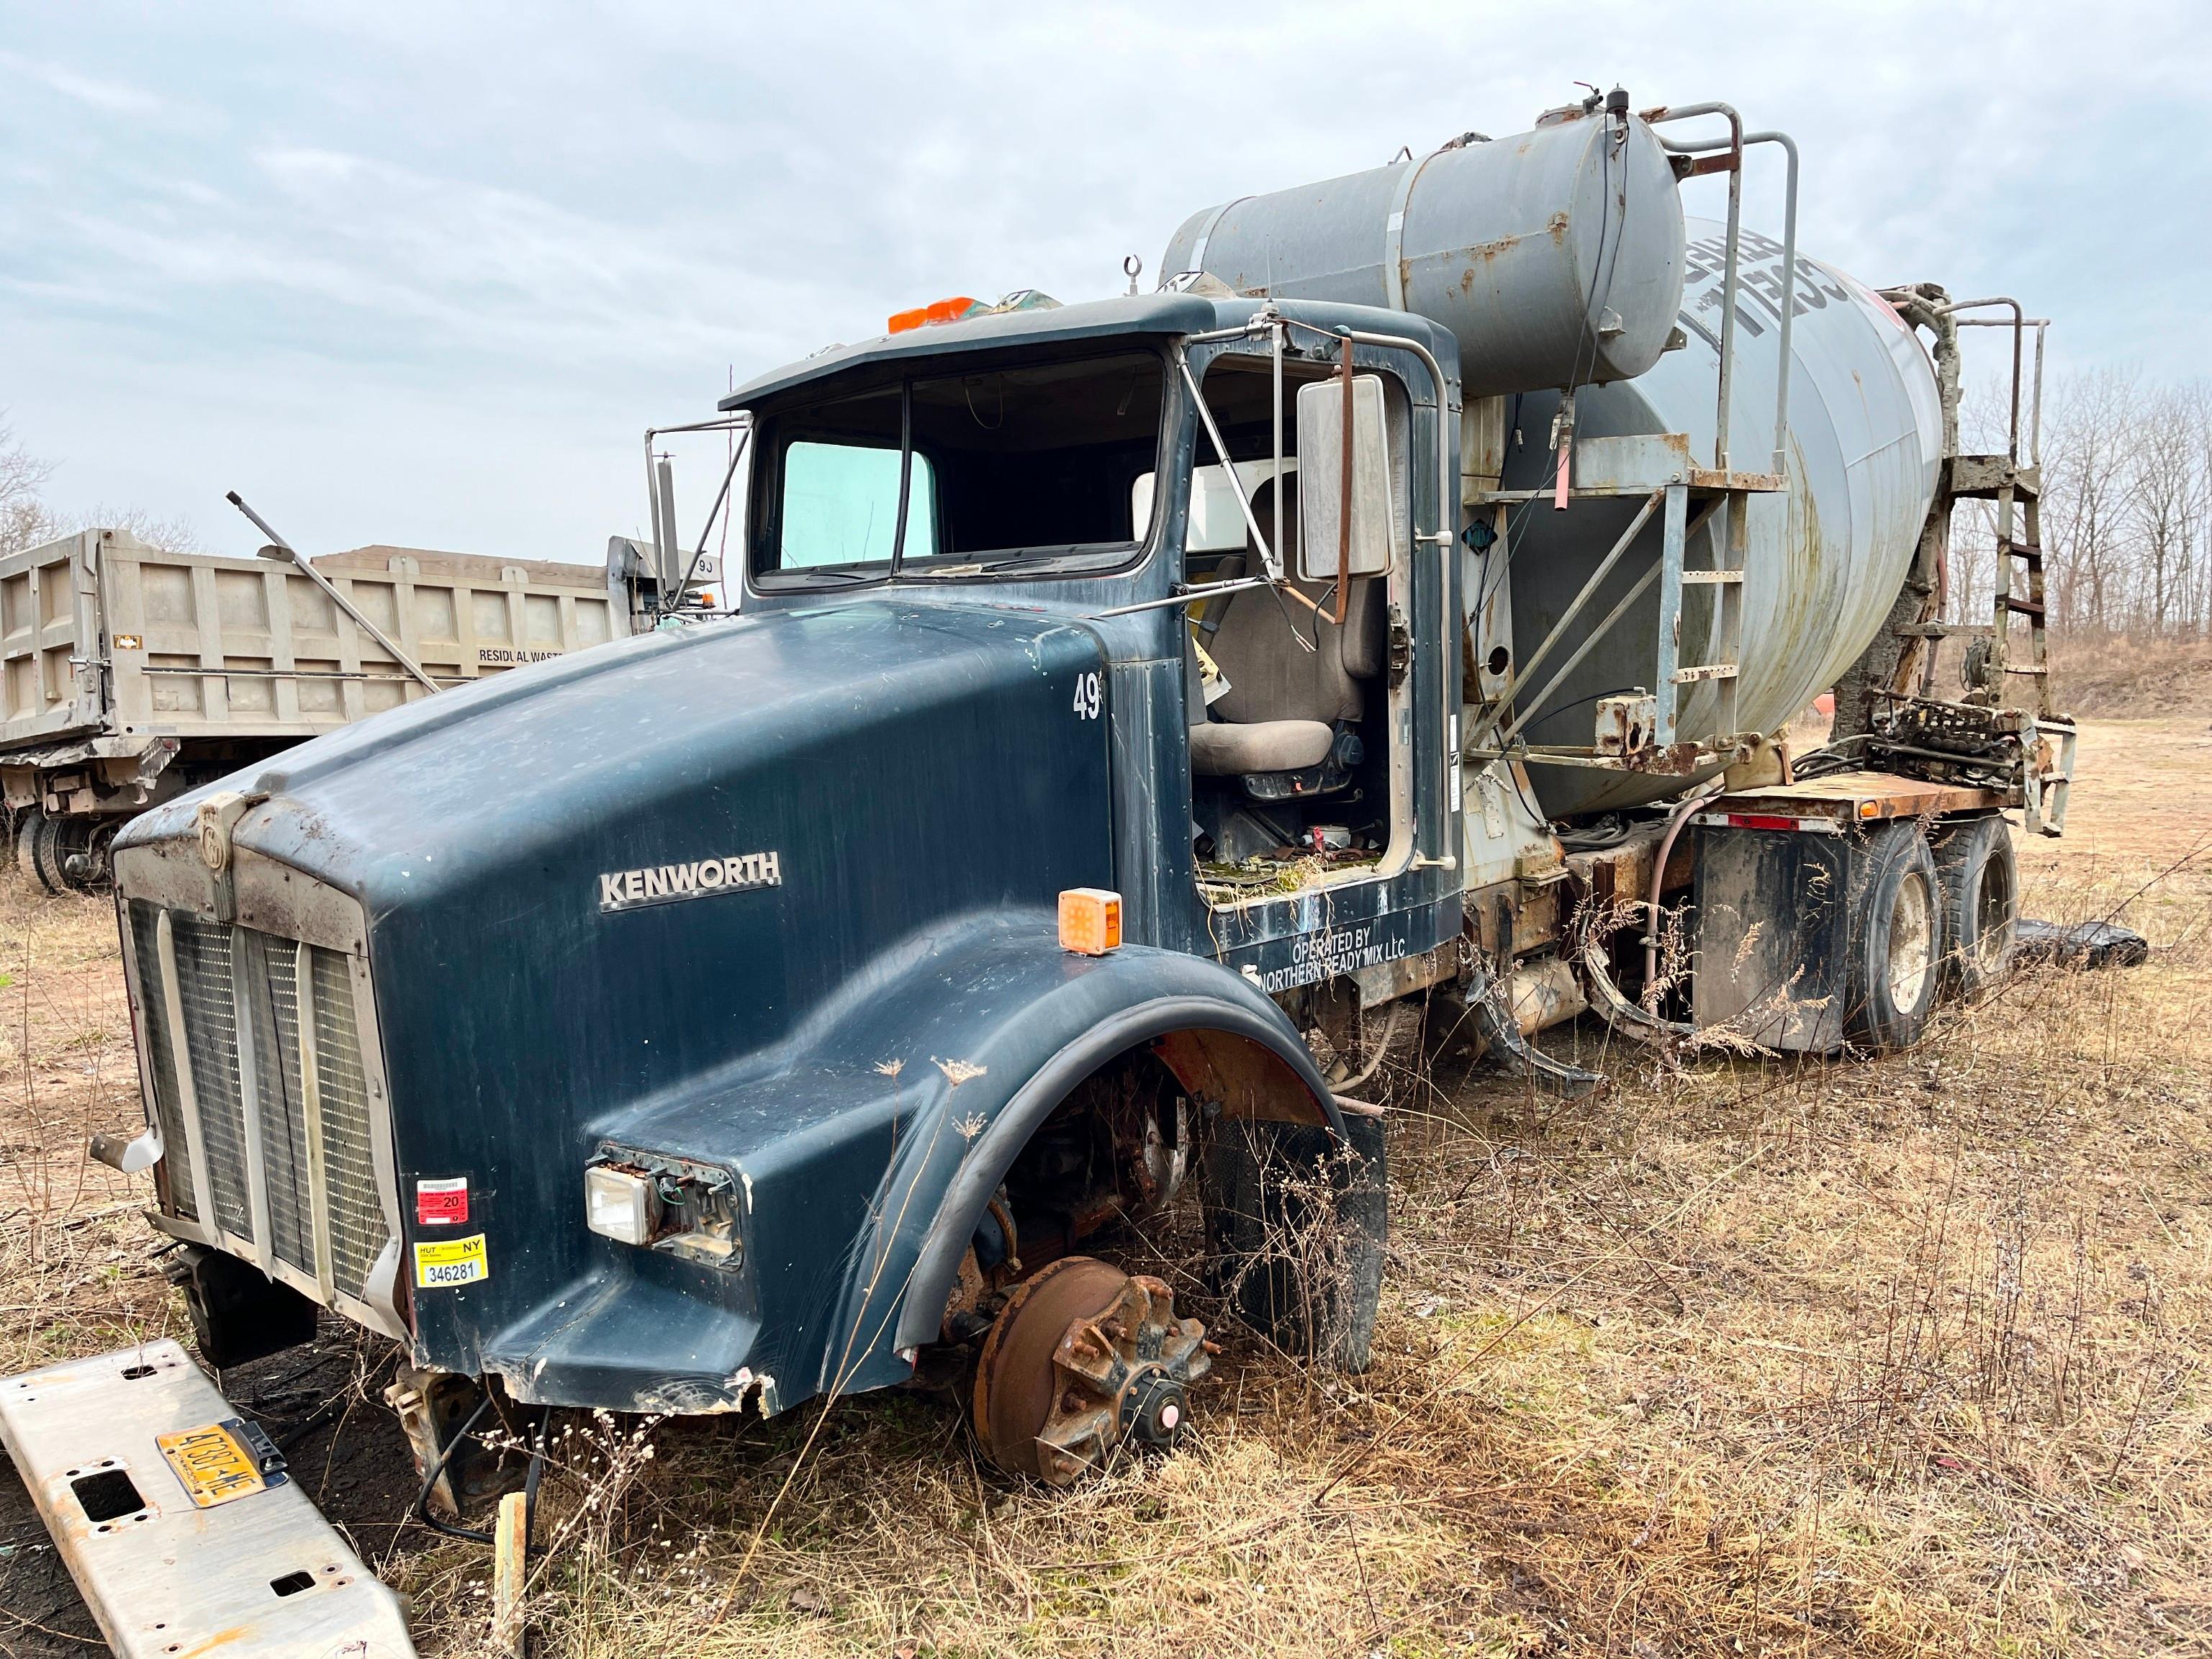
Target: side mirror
point(667, 554)
point(1323, 544)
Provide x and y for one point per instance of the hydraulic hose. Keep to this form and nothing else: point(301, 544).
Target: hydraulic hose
point(1674, 823)
point(438, 1468)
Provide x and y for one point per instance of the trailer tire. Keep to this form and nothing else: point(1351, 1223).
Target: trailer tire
point(1897, 941)
point(46, 854)
point(1297, 1227)
point(1980, 873)
point(26, 835)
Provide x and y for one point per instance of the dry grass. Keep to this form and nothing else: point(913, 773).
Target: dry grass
point(74, 1273)
point(1897, 1356)
point(2137, 675)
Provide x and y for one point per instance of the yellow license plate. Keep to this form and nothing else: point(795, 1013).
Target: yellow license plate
point(445, 1261)
point(213, 1466)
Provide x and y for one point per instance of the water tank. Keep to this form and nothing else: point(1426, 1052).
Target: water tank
point(1555, 256)
point(1825, 560)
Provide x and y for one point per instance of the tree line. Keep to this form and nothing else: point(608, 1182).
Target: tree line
point(28, 519)
point(2126, 507)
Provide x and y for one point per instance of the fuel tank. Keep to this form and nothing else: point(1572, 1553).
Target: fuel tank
point(1824, 559)
point(1555, 256)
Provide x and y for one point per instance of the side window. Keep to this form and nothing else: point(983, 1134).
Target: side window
point(840, 506)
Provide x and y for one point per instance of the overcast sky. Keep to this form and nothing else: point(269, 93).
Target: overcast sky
point(423, 275)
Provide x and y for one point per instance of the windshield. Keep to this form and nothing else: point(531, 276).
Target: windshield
point(1005, 470)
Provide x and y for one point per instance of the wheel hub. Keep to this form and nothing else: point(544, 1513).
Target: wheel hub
point(1083, 1358)
point(1911, 943)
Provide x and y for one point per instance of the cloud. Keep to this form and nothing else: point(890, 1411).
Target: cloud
point(521, 233)
point(110, 97)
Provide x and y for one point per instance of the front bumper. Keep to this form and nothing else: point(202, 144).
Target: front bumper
point(258, 1574)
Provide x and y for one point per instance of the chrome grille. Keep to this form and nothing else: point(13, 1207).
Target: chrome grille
point(240, 993)
point(210, 1008)
point(274, 1005)
point(358, 1228)
point(168, 1107)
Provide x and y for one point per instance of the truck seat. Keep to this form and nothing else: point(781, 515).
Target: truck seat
point(1286, 702)
point(1226, 748)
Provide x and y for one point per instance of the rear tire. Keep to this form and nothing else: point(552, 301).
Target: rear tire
point(46, 854)
point(1296, 1229)
point(1980, 874)
point(27, 835)
point(1897, 941)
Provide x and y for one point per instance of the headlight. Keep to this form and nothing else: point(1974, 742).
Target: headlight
point(620, 1204)
point(669, 1204)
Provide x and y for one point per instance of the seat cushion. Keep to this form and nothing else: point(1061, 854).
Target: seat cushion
point(1282, 661)
point(1223, 749)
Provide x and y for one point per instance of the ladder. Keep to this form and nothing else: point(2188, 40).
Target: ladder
point(2017, 594)
point(1726, 579)
point(2017, 591)
point(2048, 770)
point(2010, 499)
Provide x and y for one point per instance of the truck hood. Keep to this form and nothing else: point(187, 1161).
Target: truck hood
point(589, 882)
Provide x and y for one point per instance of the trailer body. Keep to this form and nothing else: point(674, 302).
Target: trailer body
point(131, 672)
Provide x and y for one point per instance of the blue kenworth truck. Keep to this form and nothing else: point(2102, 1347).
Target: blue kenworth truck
point(1119, 724)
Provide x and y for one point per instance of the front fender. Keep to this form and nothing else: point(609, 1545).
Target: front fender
point(1215, 1023)
point(1031, 1022)
point(868, 1149)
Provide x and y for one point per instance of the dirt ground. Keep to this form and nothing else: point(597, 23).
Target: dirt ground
point(1908, 1355)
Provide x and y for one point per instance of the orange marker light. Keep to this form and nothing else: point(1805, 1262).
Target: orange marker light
point(1089, 920)
point(937, 311)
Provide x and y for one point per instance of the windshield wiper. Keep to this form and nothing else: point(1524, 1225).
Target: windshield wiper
point(1044, 562)
point(784, 579)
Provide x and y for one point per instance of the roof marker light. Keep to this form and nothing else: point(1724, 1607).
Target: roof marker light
point(937, 311)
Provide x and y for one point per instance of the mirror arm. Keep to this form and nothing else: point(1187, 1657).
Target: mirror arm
point(1197, 595)
point(1267, 559)
point(1276, 333)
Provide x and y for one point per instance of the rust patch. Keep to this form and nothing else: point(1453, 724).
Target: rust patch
point(1248, 1080)
point(221, 1639)
point(1083, 1358)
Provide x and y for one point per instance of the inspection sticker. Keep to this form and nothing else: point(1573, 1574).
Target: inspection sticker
point(443, 1261)
point(442, 1203)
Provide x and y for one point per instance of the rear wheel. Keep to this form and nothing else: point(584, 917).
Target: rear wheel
point(1981, 877)
point(1898, 935)
point(26, 835)
point(46, 854)
point(1297, 1224)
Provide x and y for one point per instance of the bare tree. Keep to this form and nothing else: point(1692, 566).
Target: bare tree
point(24, 520)
point(2090, 429)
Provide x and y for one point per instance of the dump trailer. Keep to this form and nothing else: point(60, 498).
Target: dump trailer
point(1141, 715)
point(133, 673)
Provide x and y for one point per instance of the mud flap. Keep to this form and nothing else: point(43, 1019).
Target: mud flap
point(178, 1520)
point(1297, 1227)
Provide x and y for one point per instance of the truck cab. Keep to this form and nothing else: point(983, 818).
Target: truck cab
point(1284, 793)
point(786, 1004)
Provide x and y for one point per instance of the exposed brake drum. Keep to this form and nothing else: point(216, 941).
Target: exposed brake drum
point(1083, 1359)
